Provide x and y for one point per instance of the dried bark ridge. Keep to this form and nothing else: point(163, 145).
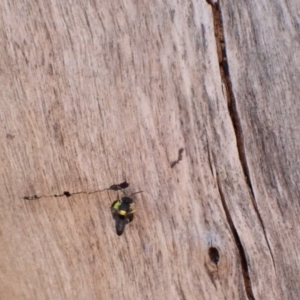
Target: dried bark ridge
point(244, 263)
point(240, 248)
point(232, 107)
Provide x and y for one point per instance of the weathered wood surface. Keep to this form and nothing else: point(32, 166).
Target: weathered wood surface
point(263, 48)
point(95, 93)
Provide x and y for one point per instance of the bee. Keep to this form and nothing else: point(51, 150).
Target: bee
point(123, 211)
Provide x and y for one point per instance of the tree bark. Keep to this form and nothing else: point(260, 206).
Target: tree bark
point(193, 102)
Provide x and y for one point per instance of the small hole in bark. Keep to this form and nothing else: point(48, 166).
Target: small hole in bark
point(67, 194)
point(214, 255)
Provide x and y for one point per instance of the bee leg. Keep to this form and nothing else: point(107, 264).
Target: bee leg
point(130, 218)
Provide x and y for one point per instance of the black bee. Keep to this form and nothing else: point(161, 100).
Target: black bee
point(123, 212)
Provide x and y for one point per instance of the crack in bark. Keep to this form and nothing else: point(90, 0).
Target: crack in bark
point(263, 227)
point(232, 107)
point(64, 194)
point(114, 187)
point(244, 263)
point(174, 163)
point(209, 156)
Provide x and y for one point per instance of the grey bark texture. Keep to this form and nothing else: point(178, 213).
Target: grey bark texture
point(196, 103)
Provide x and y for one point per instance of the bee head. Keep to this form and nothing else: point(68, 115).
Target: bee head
point(127, 200)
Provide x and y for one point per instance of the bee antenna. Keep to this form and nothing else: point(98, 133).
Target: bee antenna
point(136, 193)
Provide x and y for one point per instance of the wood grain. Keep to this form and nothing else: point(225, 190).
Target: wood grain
point(95, 93)
point(263, 54)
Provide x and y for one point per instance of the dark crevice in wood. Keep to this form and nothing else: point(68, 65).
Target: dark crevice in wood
point(232, 107)
point(245, 271)
point(214, 255)
point(114, 187)
point(174, 163)
point(209, 156)
point(64, 194)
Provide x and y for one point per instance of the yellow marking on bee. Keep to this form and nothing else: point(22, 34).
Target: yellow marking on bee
point(122, 212)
